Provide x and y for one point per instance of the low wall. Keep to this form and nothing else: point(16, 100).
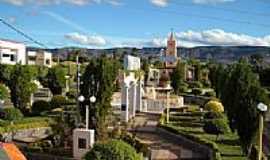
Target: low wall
point(189, 144)
point(39, 156)
point(192, 99)
point(38, 133)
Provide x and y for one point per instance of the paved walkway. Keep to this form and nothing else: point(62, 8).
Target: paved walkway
point(162, 147)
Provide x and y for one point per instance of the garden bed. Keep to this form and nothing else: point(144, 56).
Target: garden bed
point(226, 147)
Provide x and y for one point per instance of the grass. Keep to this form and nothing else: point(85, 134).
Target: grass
point(190, 123)
point(25, 123)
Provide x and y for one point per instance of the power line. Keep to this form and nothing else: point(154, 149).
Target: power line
point(22, 33)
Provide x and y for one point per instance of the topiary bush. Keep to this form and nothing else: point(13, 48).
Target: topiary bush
point(112, 150)
point(196, 91)
point(217, 126)
point(40, 106)
point(214, 106)
point(58, 101)
point(12, 114)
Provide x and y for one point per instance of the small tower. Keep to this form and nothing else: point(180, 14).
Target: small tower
point(171, 52)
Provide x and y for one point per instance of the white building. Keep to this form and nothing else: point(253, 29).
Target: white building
point(12, 52)
point(41, 58)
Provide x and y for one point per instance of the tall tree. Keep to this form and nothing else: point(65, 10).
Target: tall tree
point(240, 95)
point(99, 81)
point(21, 86)
point(178, 77)
point(56, 79)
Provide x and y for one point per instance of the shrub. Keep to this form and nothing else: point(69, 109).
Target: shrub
point(40, 106)
point(216, 126)
point(58, 101)
point(210, 94)
point(183, 88)
point(112, 150)
point(134, 142)
point(214, 106)
point(12, 114)
point(195, 84)
point(206, 83)
point(71, 94)
point(3, 92)
point(213, 115)
point(196, 91)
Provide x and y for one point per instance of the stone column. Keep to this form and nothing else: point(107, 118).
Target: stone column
point(127, 103)
point(134, 108)
point(139, 96)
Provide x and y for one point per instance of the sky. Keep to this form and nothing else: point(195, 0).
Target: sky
point(137, 23)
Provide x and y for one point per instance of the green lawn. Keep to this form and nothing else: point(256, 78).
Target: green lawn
point(190, 124)
point(25, 123)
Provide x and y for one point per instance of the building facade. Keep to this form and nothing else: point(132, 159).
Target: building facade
point(12, 52)
point(171, 52)
point(40, 58)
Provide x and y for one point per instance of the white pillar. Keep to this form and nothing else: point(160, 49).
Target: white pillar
point(140, 95)
point(87, 117)
point(127, 103)
point(134, 99)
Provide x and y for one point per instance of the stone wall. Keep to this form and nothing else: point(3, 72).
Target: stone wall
point(33, 133)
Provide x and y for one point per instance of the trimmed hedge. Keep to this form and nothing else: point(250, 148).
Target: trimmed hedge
point(40, 106)
point(112, 150)
point(58, 101)
point(12, 114)
point(26, 123)
point(216, 153)
point(135, 142)
point(196, 91)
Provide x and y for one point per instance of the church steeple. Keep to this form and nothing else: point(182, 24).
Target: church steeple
point(171, 52)
point(172, 38)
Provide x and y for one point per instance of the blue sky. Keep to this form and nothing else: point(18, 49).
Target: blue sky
point(137, 23)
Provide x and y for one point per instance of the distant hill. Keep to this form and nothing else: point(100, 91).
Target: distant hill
point(220, 53)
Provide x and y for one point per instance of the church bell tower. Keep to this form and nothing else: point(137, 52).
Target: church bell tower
point(171, 52)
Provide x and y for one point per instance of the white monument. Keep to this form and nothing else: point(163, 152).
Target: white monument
point(131, 88)
point(83, 141)
point(83, 138)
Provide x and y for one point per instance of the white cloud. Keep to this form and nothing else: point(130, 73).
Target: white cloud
point(57, 2)
point(91, 40)
point(211, 1)
point(160, 3)
point(221, 38)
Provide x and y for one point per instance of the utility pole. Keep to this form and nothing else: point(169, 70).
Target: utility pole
point(78, 119)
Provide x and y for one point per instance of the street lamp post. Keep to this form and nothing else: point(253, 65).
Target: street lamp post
point(262, 108)
point(92, 100)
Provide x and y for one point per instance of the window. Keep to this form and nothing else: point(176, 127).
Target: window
point(12, 57)
point(47, 61)
point(123, 107)
point(82, 143)
point(5, 55)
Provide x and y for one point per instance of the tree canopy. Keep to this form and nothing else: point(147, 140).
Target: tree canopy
point(240, 92)
point(178, 78)
point(99, 81)
point(21, 86)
